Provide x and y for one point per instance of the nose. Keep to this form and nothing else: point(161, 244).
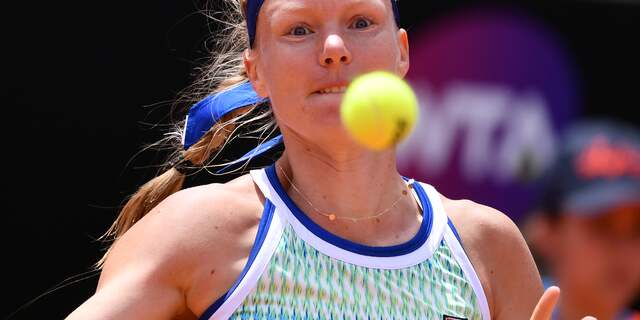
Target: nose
point(334, 52)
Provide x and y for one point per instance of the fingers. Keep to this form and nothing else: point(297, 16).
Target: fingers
point(545, 305)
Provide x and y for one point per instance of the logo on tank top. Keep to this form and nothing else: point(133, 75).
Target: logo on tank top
point(446, 317)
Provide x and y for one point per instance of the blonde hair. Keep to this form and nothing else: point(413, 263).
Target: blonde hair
point(224, 70)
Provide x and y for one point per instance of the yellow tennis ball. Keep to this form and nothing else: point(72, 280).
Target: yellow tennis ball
point(379, 109)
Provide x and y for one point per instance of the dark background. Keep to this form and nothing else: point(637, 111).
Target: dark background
point(82, 81)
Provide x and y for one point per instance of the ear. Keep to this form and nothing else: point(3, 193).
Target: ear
point(541, 235)
point(251, 67)
point(403, 45)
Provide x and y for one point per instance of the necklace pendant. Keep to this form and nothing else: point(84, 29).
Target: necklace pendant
point(332, 217)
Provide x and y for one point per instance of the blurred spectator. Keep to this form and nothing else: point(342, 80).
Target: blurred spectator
point(586, 231)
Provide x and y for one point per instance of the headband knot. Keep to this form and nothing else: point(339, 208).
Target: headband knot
point(207, 112)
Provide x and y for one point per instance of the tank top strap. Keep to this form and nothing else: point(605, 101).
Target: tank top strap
point(262, 181)
point(439, 215)
point(453, 241)
point(267, 239)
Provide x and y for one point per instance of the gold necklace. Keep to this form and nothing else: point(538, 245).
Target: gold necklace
point(332, 216)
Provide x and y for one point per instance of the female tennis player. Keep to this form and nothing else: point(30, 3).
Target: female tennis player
point(330, 230)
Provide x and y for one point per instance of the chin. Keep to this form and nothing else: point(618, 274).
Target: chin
point(324, 114)
point(325, 101)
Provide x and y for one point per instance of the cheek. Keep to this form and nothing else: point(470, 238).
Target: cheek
point(366, 61)
point(381, 59)
point(629, 257)
point(580, 254)
point(289, 66)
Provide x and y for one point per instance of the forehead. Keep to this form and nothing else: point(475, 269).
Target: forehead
point(621, 217)
point(277, 8)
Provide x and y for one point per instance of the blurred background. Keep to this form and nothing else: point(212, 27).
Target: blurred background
point(87, 85)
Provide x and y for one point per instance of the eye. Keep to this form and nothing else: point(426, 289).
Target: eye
point(361, 23)
point(299, 31)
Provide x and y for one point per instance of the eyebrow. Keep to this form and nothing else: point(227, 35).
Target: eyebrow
point(288, 9)
point(292, 8)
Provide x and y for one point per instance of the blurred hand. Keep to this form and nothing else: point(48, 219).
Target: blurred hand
point(544, 308)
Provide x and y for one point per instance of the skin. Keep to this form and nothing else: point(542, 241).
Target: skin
point(603, 279)
point(186, 252)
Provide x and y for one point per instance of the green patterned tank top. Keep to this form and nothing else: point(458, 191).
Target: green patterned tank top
point(297, 270)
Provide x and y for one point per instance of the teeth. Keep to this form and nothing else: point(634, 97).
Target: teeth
point(340, 89)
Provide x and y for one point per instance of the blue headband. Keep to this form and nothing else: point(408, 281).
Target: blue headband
point(253, 9)
point(204, 114)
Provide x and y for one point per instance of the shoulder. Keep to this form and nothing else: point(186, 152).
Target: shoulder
point(480, 223)
point(195, 240)
point(200, 216)
point(203, 209)
point(488, 237)
point(500, 256)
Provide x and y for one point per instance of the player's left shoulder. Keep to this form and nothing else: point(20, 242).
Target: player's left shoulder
point(482, 225)
point(499, 254)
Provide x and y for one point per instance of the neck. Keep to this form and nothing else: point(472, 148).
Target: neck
point(355, 183)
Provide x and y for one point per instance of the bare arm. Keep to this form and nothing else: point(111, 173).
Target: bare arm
point(140, 278)
point(515, 279)
point(177, 259)
point(508, 273)
point(130, 296)
point(500, 255)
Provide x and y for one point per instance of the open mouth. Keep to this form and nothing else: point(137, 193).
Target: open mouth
point(338, 89)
